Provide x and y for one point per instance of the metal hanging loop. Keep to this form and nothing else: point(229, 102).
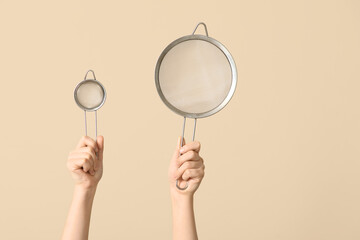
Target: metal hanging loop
point(201, 23)
point(93, 73)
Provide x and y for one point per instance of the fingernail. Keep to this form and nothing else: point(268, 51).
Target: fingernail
point(182, 150)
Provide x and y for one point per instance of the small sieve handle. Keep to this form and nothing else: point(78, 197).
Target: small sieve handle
point(96, 134)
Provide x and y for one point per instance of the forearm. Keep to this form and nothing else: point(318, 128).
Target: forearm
point(78, 221)
point(184, 227)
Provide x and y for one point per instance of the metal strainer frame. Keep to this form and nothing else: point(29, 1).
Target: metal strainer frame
point(90, 109)
point(195, 116)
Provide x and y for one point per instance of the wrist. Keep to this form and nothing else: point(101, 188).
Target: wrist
point(85, 191)
point(182, 203)
point(86, 185)
point(181, 197)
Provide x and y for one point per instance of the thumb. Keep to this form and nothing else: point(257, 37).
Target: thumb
point(177, 149)
point(100, 143)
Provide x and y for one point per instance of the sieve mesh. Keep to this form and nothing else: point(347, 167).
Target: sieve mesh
point(90, 95)
point(195, 76)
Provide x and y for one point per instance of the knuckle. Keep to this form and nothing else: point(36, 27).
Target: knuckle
point(172, 176)
point(87, 156)
point(179, 161)
point(183, 159)
point(185, 165)
point(175, 175)
point(89, 150)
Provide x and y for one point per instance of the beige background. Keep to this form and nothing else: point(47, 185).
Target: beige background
point(282, 160)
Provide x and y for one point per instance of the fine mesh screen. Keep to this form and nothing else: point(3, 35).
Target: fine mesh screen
point(90, 95)
point(195, 76)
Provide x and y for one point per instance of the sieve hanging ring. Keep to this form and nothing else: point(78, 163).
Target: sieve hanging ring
point(93, 73)
point(201, 23)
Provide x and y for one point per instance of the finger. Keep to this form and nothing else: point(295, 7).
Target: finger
point(193, 146)
point(79, 163)
point(94, 156)
point(84, 152)
point(87, 150)
point(184, 142)
point(82, 155)
point(86, 141)
point(188, 156)
point(177, 149)
point(100, 144)
point(188, 165)
point(193, 174)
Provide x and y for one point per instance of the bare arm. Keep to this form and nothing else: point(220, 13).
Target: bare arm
point(86, 166)
point(188, 167)
point(78, 221)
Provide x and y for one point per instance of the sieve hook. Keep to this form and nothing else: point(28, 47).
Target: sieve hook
point(85, 78)
point(201, 23)
point(181, 144)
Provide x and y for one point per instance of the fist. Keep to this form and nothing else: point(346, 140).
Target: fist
point(187, 167)
point(86, 162)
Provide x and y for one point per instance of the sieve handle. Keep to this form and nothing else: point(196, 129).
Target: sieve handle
point(95, 124)
point(181, 144)
point(201, 23)
point(96, 134)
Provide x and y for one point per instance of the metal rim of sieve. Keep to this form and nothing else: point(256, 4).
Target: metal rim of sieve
point(85, 81)
point(228, 56)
